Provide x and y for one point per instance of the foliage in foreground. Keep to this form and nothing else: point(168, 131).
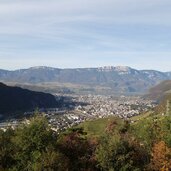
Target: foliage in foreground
point(145, 145)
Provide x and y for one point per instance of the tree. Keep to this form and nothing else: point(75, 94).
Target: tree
point(166, 130)
point(7, 149)
point(160, 157)
point(31, 141)
point(78, 150)
point(120, 151)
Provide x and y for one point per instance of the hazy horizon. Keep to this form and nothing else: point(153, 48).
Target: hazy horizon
point(38, 66)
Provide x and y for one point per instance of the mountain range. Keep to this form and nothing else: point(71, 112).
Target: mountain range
point(120, 79)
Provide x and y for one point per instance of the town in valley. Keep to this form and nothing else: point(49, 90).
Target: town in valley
point(80, 108)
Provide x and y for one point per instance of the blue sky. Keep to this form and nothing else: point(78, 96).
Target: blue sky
point(85, 33)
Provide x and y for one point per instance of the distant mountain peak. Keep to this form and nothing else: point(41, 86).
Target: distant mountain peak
point(106, 68)
point(41, 67)
point(122, 68)
point(115, 68)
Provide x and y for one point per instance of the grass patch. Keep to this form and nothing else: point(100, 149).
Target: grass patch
point(98, 127)
point(141, 116)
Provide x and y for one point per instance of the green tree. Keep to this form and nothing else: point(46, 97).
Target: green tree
point(119, 151)
point(32, 141)
point(166, 130)
point(7, 149)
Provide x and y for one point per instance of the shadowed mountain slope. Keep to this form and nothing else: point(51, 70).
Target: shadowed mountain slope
point(15, 99)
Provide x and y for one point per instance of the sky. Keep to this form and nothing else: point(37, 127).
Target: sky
point(85, 33)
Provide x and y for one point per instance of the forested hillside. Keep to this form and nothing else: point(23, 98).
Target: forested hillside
point(159, 91)
point(15, 99)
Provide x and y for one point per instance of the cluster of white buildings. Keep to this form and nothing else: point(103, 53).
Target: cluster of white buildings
point(99, 107)
point(96, 107)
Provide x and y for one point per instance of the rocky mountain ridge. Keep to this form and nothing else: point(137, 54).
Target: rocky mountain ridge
point(122, 79)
